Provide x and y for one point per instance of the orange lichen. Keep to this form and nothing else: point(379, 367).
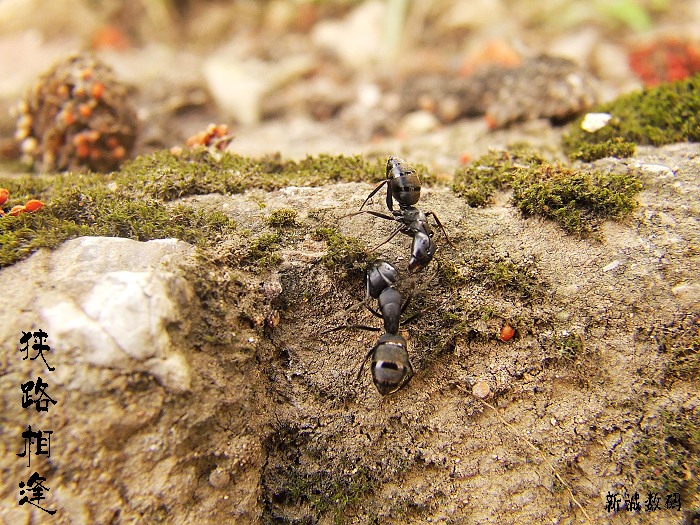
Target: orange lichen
point(82, 150)
point(85, 110)
point(33, 205)
point(110, 37)
point(665, 60)
point(495, 52)
point(118, 153)
point(215, 136)
point(67, 117)
point(98, 89)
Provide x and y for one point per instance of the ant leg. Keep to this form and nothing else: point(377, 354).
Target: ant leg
point(353, 326)
point(374, 312)
point(442, 228)
point(412, 318)
point(408, 300)
point(397, 230)
point(375, 213)
point(374, 192)
point(371, 351)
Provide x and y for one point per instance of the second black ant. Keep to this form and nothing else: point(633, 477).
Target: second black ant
point(391, 365)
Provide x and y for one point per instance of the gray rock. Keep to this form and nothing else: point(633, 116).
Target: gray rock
point(106, 303)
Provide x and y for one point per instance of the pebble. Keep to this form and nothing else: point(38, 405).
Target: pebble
point(481, 390)
point(592, 122)
point(219, 478)
point(418, 122)
point(611, 266)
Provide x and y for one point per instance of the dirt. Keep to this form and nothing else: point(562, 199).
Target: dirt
point(330, 447)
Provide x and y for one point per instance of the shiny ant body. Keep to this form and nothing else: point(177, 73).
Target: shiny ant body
point(391, 366)
point(403, 184)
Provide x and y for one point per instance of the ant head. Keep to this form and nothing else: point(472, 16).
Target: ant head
point(391, 366)
point(380, 276)
point(422, 252)
point(393, 167)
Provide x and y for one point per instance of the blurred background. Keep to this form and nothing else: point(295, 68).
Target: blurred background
point(301, 77)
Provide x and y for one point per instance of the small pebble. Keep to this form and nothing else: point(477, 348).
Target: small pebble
point(481, 390)
point(219, 478)
point(611, 266)
point(592, 122)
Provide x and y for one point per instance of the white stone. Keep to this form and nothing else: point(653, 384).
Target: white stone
point(418, 122)
point(109, 306)
point(611, 266)
point(592, 122)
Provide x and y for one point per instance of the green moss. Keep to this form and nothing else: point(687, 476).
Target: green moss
point(85, 205)
point(615, 147)
point(165, 176)
point(132, 203)
point(577, 200)
point(344, 254)
point(660, 115)
point(494, 171)
point(282, 218)
point(263, 250)
point(325, 490)
point(569, 346)
point(507, 275)
point(667, 457)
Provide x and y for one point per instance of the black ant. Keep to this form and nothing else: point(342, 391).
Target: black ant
point(391, 366)
point(403, 184)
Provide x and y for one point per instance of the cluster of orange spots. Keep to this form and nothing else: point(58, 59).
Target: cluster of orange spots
point(31, 205)
point(88, 145)
point(77, 116)
point(216, 136)
point(665, 60)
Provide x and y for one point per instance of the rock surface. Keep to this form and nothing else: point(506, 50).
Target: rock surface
point(118, 315)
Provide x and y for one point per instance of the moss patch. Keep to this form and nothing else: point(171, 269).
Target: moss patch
point(166, 176)
point(576, 199)
point(282, 218)
point(345, 254)
point(132, 203)
point(569, 346)
point(87, 205)
point(494, 171)
point(616, 147)
point(263, 250)
point(660, 115)
point(668, 455)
